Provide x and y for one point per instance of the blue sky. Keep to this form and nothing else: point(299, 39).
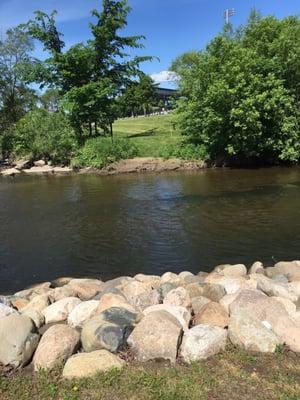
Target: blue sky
point(171, 27)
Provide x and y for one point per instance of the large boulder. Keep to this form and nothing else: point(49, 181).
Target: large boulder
point(251, 334)
point(202, 341)
point(61, 292)
point(288, 304)
point(60, 310)
point(231, 284)
point(86, 289)
point(198, 303)
point(110, 300)
point(84, 365)
point(153, 280)
point(146, 299)
point(157, 336)
point(36, 316)
point(10, 172)
point(212, 314)
point(213, 292)
point(178, 297)
point(35, 290)
point(6, 310)
point(236, 270)
point(38, 303)
point(256, 268)
point(58, 343)
point(182, 314)
point(273, 288)
point(170, 277)
point(82, 313)
point(291, 269)
point(288, 330)
point(109, 330)
point(17, 340)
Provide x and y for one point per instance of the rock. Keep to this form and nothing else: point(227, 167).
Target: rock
point(198, 303)
point(116, 283)
point(59, 282)
point(6, 310)
point(38, 303)
point(109, 290)
point(212, 291)
point(146, 299)
point(193, 279)
point(251, 334)
point(194, 289)
point(62, 170)
point(10, 172)
point(57, 344)
point(288, 304)
point(46, 169)
point(231, 284)
point(178, 297)
point(6, 300)
point(82, 313)
point(60, 293)
point(182, 315)
point(227, 300)
point(86, 289)
point(212, 314)
point(109, 330)
point(258, 305)
point(237, 270)
point(22, 164)
point(88, 364)
point(39, 163)
point(203, 341)
point(290, 269)
point(288, 330)
point(153, 280)
point(110, 300)
point(185, 274)
point(36, 316)
point(19, 303)
point(17, 340)
point(170, 277)
point(165, 288)
point(30, 293)
point(157, 336)
point(60, 310)
point(256, 268)
point(133, 289)
point(272, 288)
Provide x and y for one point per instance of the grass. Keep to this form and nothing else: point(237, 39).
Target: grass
point(150, 134)
point(231, 375)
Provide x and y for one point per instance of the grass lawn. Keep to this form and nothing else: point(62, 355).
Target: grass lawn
point(149, 134)
point(231, 375)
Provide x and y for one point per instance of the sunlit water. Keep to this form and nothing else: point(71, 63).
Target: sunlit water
point(111, 226)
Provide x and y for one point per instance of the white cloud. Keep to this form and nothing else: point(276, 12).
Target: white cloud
point(164, 76)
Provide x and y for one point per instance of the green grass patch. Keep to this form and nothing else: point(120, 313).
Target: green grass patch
point(231, 375)
point(149, 134)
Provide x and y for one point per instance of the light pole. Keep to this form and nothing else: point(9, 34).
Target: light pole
point(229, 12)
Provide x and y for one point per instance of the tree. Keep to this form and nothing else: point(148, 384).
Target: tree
point(16, 97)
point(90, 76)
point(241, 94)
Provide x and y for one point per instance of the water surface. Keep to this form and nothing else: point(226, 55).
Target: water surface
point(109, 226)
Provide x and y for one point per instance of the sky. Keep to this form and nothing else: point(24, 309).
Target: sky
point(171, 27)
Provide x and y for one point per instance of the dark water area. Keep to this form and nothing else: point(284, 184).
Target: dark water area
point(97, 226)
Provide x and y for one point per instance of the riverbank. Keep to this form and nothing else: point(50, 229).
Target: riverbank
point(135, 165)
point(89, 326)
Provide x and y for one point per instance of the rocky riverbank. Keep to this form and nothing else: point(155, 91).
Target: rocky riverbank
point(135, 165)
point(91, 326)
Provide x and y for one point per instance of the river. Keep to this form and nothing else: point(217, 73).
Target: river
point(108, 226)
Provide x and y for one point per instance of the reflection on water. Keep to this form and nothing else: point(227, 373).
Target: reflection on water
point(111, 226)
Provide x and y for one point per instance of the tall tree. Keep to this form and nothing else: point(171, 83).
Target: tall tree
point(91, 75)
point(16, 97)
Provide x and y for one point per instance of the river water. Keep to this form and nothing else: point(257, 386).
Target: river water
point(104, 227)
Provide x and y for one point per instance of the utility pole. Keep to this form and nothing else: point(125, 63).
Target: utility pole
point(229, 12)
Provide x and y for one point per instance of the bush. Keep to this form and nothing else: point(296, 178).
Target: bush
point(185, 151)
point(101, 151)
point(42, 134)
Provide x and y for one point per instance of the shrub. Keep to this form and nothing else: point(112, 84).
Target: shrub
point(101, 151)
point(42, 134)
point(185, 151)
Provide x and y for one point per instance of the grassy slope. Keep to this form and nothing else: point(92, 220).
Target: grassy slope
point(148, 133)
point(231, 375)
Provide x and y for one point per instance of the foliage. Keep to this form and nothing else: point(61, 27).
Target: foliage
point(16, 98)
point(40, 134)
point(185, 151)
point(101, 151)
point(240, 97)
point(90, 75)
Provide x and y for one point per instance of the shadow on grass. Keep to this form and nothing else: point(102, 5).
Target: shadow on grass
point(149, 132)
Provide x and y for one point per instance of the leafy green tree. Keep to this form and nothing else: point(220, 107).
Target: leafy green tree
point(16, 97)
point(241, 94)
point(90, 76)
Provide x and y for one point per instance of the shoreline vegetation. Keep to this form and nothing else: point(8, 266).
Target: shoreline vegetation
point(71, 333)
